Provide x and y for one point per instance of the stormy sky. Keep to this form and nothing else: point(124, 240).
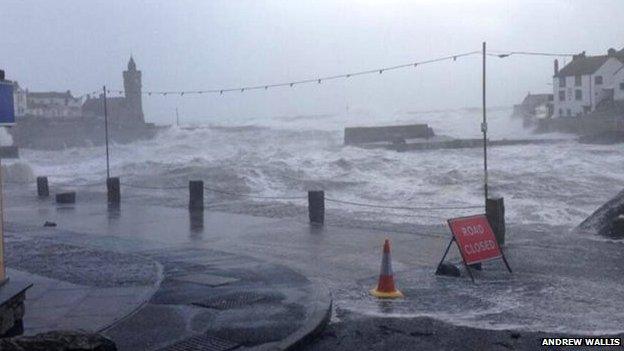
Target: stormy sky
point(81, 45)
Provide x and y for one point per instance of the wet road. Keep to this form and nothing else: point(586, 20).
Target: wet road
point(562, 281)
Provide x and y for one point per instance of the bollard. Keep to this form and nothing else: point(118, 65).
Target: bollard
point(495, 212)
point(316, 206)
point(196, 195)
point(113, 189)
point(42, 187)
point(66, 198)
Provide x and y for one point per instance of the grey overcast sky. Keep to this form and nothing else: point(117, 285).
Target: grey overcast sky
point(81, 45)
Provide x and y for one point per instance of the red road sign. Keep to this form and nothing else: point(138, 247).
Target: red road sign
point(475, 238)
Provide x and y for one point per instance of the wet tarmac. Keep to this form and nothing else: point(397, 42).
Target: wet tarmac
point(562, 282)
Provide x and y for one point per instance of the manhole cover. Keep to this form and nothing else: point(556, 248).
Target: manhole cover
point(201, 343)
point(237, 299)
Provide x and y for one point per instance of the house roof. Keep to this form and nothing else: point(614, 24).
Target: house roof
point(536, 99)
point(583, 65)
point(51, 95)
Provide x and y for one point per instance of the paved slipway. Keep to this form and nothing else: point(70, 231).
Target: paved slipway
point(564, 283)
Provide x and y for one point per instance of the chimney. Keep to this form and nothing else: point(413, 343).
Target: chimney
point(611, 52)
point(556, 66)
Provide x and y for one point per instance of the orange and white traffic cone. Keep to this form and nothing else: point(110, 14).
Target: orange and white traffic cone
point(385, 288)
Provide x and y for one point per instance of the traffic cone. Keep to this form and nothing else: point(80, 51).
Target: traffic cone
point(385, 288)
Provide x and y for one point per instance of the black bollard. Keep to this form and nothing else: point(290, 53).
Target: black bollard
point(196, 195)
point(196, 221)
point(495, 212)
point(42, 187)
point(113, 189)
point(66, 198)
point(316, 206)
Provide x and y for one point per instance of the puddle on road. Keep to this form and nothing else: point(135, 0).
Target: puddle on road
point(498, 300)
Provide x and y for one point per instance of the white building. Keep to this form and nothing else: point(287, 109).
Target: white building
point(587, 81)
point(53, 104)
point(618, 84)
point(19, 100)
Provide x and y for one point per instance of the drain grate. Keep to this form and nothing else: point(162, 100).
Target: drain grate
point(201, 343)
point(237, 299)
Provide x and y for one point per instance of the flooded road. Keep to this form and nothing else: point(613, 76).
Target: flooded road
point(562, 281)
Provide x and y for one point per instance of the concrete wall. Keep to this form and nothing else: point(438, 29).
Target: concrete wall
point(358, 135)
point(581, 125)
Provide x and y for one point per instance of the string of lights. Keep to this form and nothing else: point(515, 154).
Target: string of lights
point(504, 54)
point(319, 80)
point(291, 84)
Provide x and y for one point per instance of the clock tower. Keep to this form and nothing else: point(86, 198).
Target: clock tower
point(132, 90)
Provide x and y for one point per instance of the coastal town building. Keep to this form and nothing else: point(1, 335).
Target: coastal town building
point(127, 110)
point(57, 120)
point(586, 82)
point(535, 106)
point(19, 100)
point(53, 105)
point(45, 104)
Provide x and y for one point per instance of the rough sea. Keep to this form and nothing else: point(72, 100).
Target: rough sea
point(558, 184)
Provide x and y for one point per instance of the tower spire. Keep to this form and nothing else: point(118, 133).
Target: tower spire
point(131, 64)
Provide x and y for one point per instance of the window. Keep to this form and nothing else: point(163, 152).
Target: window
point(577, 81)
point(578, 94)
point(560, 112)
point(561, 95)
point(562, 81)
point(569, 113)
point(621, 86)
point(598, 80)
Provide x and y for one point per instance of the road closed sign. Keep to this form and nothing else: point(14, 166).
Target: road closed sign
point(475, 239)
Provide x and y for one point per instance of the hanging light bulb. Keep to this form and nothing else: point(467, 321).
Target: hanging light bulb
point(291, 84)
point(380, 71)
point(221, 92)
point(319, 81)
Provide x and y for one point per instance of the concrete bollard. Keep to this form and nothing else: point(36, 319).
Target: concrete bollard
point(42, 187)
point(113, 190)
point(196, 195)
point(316, 206)
point(66, 198)
point(495, 212)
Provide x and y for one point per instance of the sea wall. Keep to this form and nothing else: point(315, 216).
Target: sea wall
point(359, 135)
point(584, 125)
point(41, 133)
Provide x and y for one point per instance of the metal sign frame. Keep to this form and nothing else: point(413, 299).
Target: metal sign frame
point(466, 265)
